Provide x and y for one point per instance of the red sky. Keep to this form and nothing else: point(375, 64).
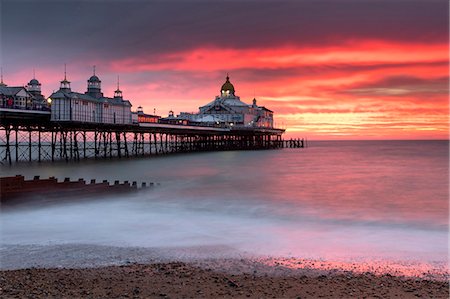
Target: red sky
point(379, 75)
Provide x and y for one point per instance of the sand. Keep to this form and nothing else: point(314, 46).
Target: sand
point(183, 280)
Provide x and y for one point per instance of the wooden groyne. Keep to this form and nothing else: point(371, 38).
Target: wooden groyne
point(16, 187)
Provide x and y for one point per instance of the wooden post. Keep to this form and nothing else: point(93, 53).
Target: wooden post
point(75, 145)
point(125, 145)
point(53, 145)
point(104, 145)
point(119, 154)
point(95, 143)
point(39, 144)
point(142, 144)
point(161, 143)
point(155, 144)
point(17, 146)
point(84, 144)
point(8, 149)
point(110, 145)
point(166, 142)
point(150, 143)
point(70, 134)
point(64, 137)
point(176, 143)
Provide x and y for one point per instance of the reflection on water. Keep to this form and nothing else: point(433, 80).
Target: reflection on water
point(343, 201)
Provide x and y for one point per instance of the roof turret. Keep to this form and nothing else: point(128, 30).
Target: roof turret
point(93, 79)
point(34, 82)
point(34, 87)
point(227, 87)
point(65, 84)
point(94, 86)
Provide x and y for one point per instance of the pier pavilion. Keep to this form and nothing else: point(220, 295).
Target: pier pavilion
point(91, 106)
point(227, 109)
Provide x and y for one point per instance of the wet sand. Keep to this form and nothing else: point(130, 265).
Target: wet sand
point(183, 280)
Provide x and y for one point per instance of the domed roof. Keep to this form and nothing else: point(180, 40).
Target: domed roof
point(227, 86)
point(94, 78)
point(34, 82)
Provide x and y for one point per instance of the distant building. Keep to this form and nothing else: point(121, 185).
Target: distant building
point(91, 106)
point(24, 98)
point(228, 109)
point(14, 97)
point(38, 100)
point(140, 117)
point(176, 120)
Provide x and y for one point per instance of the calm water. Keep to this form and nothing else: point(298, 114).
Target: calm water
point(343, 201)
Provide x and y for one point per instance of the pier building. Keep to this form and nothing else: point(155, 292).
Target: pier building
point(139, 117)
point(23, 97)
point(39, 102)
point(227, 109)
point(91, 106)
point(14, 97)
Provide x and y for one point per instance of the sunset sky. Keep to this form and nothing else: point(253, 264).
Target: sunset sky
point(337, 69)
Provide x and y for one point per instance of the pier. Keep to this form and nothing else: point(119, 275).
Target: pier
point(31, 136)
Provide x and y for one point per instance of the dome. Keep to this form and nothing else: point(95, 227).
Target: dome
point(34, 86)
point(34, 82)
point(227, 86)
point(94, 78)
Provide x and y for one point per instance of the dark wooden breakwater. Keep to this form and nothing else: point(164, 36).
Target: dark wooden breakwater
point(35, 138)
point(16, 188)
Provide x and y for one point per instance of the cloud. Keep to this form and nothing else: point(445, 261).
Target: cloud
point(118, 29)
point(403, 86)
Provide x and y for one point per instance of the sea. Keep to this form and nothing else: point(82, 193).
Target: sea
point(366, 203)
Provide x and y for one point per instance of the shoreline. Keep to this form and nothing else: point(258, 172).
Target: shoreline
point(218, 257)
point(184, 280)
point(95, 271)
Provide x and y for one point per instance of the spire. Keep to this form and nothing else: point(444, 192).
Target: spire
point(93, 68)
point(1, 77)
point(34, 73)
point(65, 85)
point(254, 99)
point(118, 92)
